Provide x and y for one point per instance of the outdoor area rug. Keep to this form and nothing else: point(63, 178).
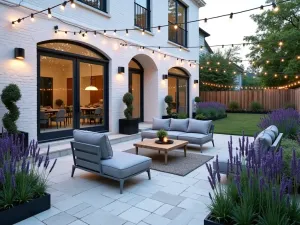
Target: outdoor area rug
point(177, 163)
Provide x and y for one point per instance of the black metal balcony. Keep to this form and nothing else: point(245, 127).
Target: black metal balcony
point(141, 17)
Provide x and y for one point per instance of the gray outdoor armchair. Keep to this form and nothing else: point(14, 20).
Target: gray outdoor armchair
point(92, 152)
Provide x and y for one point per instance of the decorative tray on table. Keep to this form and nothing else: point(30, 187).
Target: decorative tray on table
point(164, 143)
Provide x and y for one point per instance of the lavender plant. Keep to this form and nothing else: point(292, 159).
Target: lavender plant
point(287, 121)
point(258, 190)
point(23, 171)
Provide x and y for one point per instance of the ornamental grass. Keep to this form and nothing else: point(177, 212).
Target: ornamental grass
point(257, 189)
point(211, 109)
point(23, 171)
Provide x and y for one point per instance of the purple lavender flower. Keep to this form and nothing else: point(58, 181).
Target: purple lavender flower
point(40, 161)
point(27, 167)
point(2, 176)
point(52, 166)
point(218, 169)
point(261, 183)
point(210, 196)
point(13, 181)
point(238, 184)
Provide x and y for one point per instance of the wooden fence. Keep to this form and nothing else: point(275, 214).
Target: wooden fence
point(270, 99)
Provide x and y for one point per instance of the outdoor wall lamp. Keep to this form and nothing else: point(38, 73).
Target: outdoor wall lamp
point(165, 77)
point(121, 70)
point(19, 53)
point(196, 82)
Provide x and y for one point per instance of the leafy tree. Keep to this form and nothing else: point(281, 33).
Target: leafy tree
point(219, 68)
point(275, 28)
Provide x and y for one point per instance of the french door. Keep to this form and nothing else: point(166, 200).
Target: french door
point(178, 89)
point(64, 99)
point(136, 89)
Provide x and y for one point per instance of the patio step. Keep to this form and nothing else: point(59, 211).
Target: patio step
point(62, 148)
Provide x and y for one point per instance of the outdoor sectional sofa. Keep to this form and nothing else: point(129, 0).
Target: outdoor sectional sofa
point(267, 140)
point(196, 132)
point(92, 152)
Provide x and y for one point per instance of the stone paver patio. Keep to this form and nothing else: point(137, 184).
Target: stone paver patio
point(166, 199)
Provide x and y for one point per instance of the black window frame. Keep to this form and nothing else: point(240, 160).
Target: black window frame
point(137, 7)
point(103, 5)
point(179, 29)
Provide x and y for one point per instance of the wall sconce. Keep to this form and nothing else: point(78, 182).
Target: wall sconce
point(121, 70)
point(196, 82)
point(165, 77)
point(19, 53)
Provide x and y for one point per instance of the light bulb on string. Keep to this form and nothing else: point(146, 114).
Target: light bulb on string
point(158, 29)
point(180, 48)
point(32, 17)
point(72, 4)
point(66, 33)
point(175, 26)
point(280, 43)
point(95, 33)
point(49, 13)
point(13, 24)
point(275, 7)
point(159, 48)
point(143, 32)
point(282, 60)
point(104, 32)
point(231, 16)
point(115, 32)
point(63, 5)
point(127, 32)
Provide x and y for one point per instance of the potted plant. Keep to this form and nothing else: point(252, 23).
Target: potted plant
point(10, 95)
point(129, 125)
point(169, 101)
point(23, 180)
point(59, 103)
point(161, 134)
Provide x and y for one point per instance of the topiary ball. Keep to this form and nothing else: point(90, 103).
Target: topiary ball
point(168, 99)
point(11, 93)
point(128, 98)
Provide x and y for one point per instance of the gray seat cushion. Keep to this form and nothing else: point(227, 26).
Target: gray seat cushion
point(179, 125)
point(124, 165)
point(174, 134)
point(196, 138)
point(149, 134)
point(199, 126)
point(263, 141)
point(274, 129)
point(159, 124)
point(272, 134)
point(97, 139)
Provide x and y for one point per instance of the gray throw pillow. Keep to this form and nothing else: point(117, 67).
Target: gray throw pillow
point(272, 134)
point(93, 138)
point(274, 129)
point(159, 124)
point(179, 125)
point(263, 141)
point(199, 126)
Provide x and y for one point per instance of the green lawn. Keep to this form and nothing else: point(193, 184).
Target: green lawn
point(236, 123)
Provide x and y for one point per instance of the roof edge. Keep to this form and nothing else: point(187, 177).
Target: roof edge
point(199, 3)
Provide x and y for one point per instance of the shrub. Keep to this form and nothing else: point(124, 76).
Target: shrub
point(197, 99)
point(211, 109)
point(10, 95)
point(287, 121)
point(256, 107)
point(59, 102)
point(200, 116)
point(233, 106)
point(161, 133)
point(290, 106)
point(182, 116)
point(169, 100)
point(289, 147)
point(257, 188)
point(128, 99)
point(23, 171)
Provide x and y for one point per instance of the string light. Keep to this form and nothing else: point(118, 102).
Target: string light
point(115, 32)
point(72, 4)
point(205, 20)
point(175, 26)
point(63, 5)
point(158, 29)
point(180, 48)
point(32, 17)
point(261, 7)
point(275, 7)
point(282, 60)
point(143, 32)
point(280, 43)
point(95, 33)
point(104, 32)
point(127, 32)
point(49, 13)
point(231, 15)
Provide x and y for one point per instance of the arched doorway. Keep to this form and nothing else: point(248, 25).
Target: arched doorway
point(72, 89)
point(178, 88)
point(135, 84)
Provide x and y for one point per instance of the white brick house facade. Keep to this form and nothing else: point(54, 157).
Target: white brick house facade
point(120, 15)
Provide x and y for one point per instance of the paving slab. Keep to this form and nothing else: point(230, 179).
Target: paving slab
point(163, 209)
point(101, 217)
point(134, 215)
point(149, 205)
point(60, 219)
point(154, 219)
point(167, 198)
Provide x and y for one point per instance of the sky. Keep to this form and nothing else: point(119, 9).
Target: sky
point(227, 31)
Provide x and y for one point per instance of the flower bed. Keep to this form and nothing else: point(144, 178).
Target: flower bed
point(210, 111)
point(23, 180)
point(257, 190)
point(287, 121)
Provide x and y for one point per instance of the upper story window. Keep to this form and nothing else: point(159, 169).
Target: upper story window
point(177, 22)
point(97, 4)
point(142, 14)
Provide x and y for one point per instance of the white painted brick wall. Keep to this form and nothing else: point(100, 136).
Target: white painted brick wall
point(27, 34)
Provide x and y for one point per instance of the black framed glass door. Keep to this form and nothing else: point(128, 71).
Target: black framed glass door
point(136, 89)
point(72, 91)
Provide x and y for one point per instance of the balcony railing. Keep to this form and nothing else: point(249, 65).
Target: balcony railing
point(141, 17)
point(97, 4)
point(178, 36)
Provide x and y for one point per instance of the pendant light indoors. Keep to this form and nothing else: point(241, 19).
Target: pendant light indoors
point(91, 87)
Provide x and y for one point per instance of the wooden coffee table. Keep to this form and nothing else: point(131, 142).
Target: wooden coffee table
point(150, 144)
